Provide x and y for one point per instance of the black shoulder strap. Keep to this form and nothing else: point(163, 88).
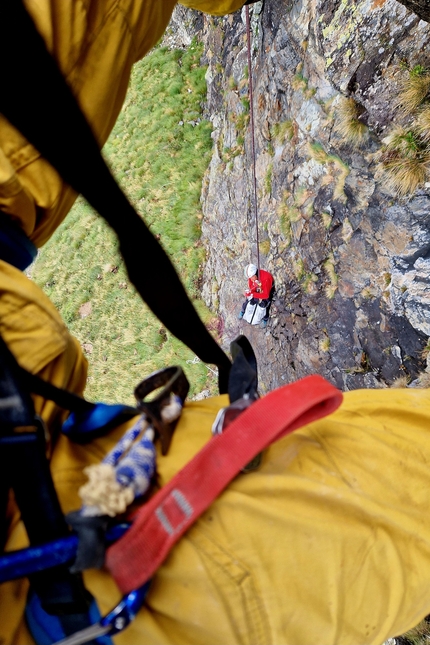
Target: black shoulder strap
point(35, 98)
point(23, 464)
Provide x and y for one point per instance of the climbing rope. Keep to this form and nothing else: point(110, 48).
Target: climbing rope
point(251, 113)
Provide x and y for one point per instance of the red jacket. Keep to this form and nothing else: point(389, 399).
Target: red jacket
point(261, 287)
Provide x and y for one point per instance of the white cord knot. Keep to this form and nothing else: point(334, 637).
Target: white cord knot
point(124, 474)
point(172, 410)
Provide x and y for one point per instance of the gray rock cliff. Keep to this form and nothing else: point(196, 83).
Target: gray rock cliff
point(350, 258)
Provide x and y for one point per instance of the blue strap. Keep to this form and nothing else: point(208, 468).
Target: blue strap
point(85, 426)
point(15, 247)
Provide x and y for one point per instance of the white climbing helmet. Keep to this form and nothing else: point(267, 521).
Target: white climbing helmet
point(250, 270)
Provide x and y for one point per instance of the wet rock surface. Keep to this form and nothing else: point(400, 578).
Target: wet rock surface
point(351, 261)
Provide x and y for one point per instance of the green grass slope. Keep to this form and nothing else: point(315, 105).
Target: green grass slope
point(158, 152)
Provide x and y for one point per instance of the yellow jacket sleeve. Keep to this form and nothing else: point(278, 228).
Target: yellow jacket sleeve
point(95, 44)
point(214, 7)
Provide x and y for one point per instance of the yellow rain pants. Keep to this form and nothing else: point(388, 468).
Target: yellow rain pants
point(329, 541)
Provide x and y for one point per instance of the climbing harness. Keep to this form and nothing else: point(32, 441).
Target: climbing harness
point(240, 434)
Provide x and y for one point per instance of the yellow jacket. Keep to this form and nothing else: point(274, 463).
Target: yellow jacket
point(329, 541)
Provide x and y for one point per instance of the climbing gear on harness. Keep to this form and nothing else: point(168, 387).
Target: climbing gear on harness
point(263, 324)
point(159, 524)
point(173, 509)
point(22, 463)
point(35, 73)
point(240, 316)
point(124, 474)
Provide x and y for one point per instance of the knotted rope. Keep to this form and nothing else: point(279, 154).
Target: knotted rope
point(127, 470)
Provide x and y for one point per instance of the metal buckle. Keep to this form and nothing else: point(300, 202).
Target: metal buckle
point(114, 622)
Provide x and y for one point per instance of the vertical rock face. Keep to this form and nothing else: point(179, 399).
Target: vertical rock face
point(351, 261)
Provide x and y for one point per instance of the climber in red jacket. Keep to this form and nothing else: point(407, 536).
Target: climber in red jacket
point(260, 284)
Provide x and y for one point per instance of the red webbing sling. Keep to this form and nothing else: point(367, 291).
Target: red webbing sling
point(166, 517)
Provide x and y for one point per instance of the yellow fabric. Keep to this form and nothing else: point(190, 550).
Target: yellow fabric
point(220, 8)
point(328, 542)
point(32, 328)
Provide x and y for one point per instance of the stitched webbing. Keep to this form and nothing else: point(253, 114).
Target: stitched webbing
point(166, 517)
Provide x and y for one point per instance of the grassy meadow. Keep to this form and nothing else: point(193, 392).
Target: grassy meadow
point(158, 151)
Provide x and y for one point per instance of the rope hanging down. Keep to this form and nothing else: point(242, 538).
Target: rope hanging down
point(251, 113)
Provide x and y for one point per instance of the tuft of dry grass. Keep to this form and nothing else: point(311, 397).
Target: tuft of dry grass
point(422, 124)
point(418, 635)
point(330, 290)
point(308, 282)
point(404, 175)
point(400, 382)
point(317, 153)
point(413, 91)
point(404, 161)
point(293, 214)
point(299, 82)
point(302, 195)
point(329, 268)
point(343, 172)
point(298, 268)
point(264, 247)
point(348, 125)
point(401, 140)
point(283, 131)
point(401, 175)
point(285, 224)
point(324, 344)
